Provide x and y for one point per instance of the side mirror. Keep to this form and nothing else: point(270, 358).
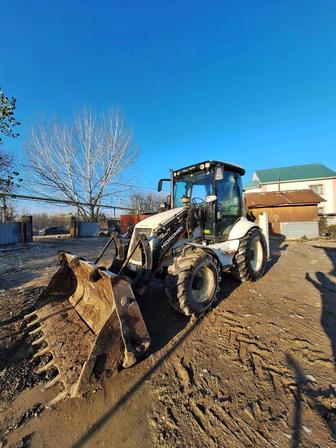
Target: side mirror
point(210, 198)
point(160, 183)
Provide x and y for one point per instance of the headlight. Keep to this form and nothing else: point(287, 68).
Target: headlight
point(202, 166)
point(207, 165)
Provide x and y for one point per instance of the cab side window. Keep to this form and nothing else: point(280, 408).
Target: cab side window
point(228, 194)
point(228, 202)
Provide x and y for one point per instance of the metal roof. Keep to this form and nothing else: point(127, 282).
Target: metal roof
point(296, 172)
point(227, 165)
point(252, 184)
point(282, 198)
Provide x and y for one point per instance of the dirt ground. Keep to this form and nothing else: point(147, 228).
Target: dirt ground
point(257, 371)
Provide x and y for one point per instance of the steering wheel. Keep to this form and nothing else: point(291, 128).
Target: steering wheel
point(197, 201)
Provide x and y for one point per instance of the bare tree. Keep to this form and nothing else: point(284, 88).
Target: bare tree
point(147, 202)
point(81, 162)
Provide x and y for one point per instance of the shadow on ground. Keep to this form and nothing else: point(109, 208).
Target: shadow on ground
point(331, 253)
point(276, 249)
point(315, 397)
point(327, 290)
point(121, 402)
point(163, 322)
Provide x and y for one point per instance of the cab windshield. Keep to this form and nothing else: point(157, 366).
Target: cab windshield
point(196, 186)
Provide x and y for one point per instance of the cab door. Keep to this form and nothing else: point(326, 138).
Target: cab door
point(229, 203)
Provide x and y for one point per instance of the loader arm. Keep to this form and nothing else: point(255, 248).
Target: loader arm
point(168, 233)
point(165, 235)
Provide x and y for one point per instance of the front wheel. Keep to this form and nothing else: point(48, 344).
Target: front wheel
point(250, 260)
point(192, 282)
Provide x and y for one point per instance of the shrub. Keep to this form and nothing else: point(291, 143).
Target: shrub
point(323, 225)
point(331, 231)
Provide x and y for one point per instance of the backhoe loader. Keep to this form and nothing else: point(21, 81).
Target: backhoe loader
point(88, 320)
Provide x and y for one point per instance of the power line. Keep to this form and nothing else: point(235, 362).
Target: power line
point(59, 201)
point(132, 186)
point(136, 186)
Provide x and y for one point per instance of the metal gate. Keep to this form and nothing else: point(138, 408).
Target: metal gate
point(88, 229)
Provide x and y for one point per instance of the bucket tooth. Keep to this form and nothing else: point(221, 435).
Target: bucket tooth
point(29, 315)
point(53, 382)
point(33, 322)
point(61, 396)
point(42, 352)
point(37, 330)
point(46, 367)
point(39, 340)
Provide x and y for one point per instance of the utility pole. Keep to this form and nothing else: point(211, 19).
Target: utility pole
point(3, 209)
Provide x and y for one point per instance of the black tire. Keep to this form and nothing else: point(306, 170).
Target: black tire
point(250, 260)
point(192, 282)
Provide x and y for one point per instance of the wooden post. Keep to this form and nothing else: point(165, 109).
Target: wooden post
point(74, 227)
point(26, 229)
point(263, 224)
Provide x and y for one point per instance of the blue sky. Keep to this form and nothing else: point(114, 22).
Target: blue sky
point(251, 82)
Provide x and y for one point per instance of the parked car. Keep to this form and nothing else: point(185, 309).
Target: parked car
point(53, 231)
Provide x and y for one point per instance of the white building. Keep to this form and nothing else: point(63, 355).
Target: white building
point(316, 177)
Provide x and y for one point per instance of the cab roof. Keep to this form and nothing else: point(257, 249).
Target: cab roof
point(212, 163)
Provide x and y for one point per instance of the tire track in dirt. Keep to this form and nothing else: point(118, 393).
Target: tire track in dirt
point(216, 418)
point(245, 404)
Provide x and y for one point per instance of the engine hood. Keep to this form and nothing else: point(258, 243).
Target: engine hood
point(154, 221)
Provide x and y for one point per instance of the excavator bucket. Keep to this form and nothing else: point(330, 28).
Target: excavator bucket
point(89, 323)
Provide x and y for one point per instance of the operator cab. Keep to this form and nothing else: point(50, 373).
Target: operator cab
point(217, 187)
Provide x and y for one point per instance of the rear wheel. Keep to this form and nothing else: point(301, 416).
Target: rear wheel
point(250, 260)
point(192, 282)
